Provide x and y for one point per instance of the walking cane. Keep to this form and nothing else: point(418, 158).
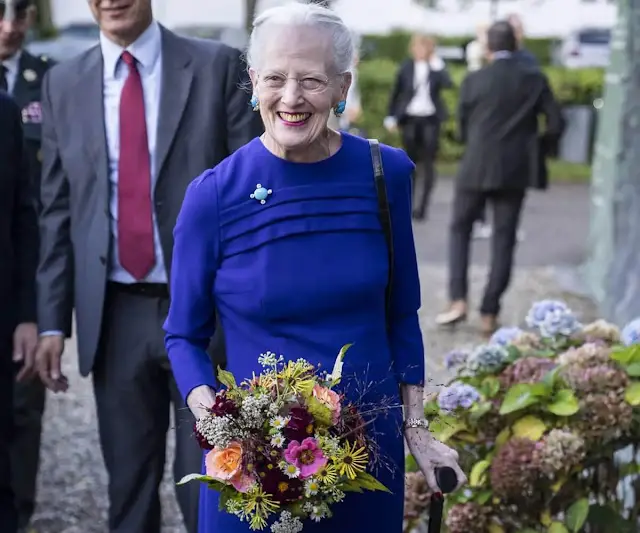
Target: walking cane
point(447, 481)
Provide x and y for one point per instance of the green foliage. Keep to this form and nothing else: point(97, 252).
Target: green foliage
point(395, 45)
point(377, 76)
point(540, 433)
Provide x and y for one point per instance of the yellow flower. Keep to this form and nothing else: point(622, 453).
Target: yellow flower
point(327, 474)
point(352, 461)
point(259, 505)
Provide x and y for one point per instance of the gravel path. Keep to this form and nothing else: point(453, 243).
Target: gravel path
point(72, 477)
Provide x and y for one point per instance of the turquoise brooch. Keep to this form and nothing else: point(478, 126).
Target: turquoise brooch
point(261, 194)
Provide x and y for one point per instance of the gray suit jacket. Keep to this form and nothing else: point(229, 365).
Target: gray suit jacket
point(204, 116)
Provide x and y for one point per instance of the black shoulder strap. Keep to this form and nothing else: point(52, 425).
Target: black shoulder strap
point(384, 213)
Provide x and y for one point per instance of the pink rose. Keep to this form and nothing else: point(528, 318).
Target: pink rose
point(330, 399)
point(226, 466)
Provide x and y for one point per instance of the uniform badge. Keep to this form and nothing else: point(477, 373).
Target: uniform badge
point(32, 114)
point(30, 75)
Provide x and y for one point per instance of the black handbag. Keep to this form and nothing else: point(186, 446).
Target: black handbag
point(446, 476)
point(384, 214)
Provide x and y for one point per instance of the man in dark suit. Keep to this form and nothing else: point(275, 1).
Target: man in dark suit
point(18, 261)
point(498, 119)
point(417, 108)
point(21, 76)
point(483, 230)
point(127, 126)
point(523, 55)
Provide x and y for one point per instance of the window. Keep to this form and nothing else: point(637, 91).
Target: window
point(594, 36)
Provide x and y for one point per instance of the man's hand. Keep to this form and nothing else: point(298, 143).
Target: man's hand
point(390, 124)
point(48, 362)
point(25, 341)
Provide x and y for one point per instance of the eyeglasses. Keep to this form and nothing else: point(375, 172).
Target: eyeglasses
point(309, 84)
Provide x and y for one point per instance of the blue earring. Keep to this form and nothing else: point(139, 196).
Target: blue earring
point(255, 104)
point(339, 108)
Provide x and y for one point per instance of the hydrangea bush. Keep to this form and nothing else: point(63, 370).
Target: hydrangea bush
point(547, 423)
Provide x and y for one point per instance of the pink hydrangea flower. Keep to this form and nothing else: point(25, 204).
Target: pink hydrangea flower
point(307, 456)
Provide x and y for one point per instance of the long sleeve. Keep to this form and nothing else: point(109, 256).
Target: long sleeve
point(395, 93)
point(405, 336)
point(463, 111)
point(55, 270)
point(191, 320)
point(24, 229)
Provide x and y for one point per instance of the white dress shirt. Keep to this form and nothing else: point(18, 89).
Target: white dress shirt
point(147, 50)
point(13, 66)
point(421, 104)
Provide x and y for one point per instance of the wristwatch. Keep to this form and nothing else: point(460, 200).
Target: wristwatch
point(416, 423)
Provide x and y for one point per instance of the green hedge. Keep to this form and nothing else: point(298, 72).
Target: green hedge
point(394, 46)
point(376, 77)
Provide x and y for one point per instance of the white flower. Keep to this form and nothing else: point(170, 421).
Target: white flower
point(277, 440)
point(280, 422)
point(319, 512)
point(269, 359)
point(291, 471)
point(311, 487)
point(253, 410)
point(287, 523)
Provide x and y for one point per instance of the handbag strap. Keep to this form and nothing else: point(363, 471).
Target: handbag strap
point(385, 215)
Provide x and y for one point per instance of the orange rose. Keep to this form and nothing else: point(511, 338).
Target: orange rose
point(226, 466)
point(328, 398)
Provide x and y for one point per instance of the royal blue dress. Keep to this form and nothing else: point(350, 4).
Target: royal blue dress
point(301, 275)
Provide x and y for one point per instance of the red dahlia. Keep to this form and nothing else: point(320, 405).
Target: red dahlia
point(300, 425)
point(224, 406)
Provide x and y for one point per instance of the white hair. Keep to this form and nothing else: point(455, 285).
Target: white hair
point(267, 24)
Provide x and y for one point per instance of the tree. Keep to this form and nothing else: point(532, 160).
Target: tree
point(44, 18)
point(249, 13)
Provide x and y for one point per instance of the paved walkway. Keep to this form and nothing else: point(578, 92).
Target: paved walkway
point(73, 481)
point(555, 223)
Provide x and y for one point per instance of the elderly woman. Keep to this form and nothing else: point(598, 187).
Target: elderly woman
point(284, 240)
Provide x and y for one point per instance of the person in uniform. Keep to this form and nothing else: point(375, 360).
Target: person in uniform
point(21, 76)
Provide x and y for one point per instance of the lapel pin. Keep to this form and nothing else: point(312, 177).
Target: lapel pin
point(30, 75)
point(261, 194)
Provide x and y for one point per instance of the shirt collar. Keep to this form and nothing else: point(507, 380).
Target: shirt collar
point(13, 63)
point(146, 49)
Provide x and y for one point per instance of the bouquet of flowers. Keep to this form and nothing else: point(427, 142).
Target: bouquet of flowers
point(284, 443)
point(547, 421)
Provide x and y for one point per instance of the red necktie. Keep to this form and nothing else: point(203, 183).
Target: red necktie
point(135, 219)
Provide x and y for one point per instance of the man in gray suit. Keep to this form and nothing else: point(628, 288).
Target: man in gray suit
point(126, 126)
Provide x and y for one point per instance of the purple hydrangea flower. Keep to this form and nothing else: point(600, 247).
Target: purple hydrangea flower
point(631, 333)
point(552, 319)
point(457, 395)
point(487, 359)
point(455, 358)
point(505, 336)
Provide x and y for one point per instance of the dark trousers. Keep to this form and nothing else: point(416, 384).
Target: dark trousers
point(8, 512)
point(420, 138)
point(134, 389)
point(29, 402)
point(467, 207)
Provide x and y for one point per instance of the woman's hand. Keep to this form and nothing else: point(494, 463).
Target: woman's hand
point(430, 454)
point(200, 400)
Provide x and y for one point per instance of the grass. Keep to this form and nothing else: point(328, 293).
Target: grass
point(559, 171)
